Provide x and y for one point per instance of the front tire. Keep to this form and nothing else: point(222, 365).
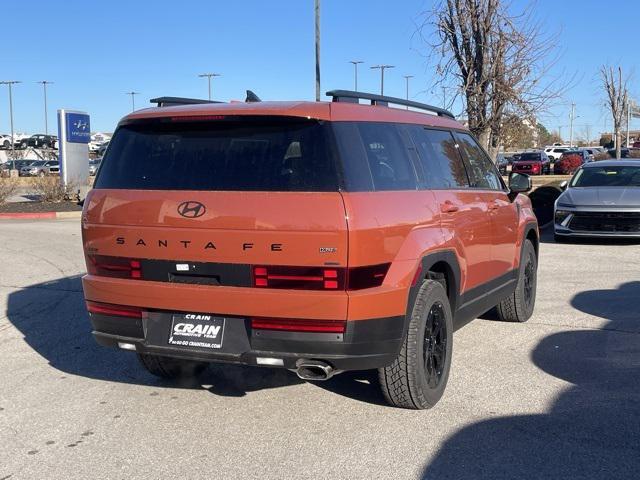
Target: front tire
point(418, 376)
point(171, 368)
point(518, 307)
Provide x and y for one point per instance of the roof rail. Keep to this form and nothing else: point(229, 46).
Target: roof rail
point(350, 96)
point(172, 101)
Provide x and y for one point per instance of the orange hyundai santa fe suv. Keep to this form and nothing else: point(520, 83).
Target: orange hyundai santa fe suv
point(314, 236)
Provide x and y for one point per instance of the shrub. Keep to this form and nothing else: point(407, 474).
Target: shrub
point(8, 187)
point(50, 189)
point(568, 163)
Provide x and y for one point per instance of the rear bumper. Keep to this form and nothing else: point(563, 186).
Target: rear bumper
point(366, 344)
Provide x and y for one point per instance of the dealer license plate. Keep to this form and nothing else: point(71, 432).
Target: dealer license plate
point(196, 330)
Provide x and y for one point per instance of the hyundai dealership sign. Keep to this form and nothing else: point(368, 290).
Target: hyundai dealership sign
point(78, 127)
point(74, 135)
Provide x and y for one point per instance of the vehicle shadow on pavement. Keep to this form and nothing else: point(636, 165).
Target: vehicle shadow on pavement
point(593, 428)
point(53, 320)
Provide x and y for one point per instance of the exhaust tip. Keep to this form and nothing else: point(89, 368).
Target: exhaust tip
point(315, 370)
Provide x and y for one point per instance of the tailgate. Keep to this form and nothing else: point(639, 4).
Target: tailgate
point(272, 228)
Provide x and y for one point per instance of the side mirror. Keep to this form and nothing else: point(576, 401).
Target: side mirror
point(564, 184)
point(519, 183)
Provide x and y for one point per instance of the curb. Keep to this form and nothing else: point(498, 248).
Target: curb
point(40, 215)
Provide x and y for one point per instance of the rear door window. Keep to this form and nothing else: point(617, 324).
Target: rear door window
point(441, 163)
point(388, 157)
point(482, 172)
point(248, 154)
point(375, 156)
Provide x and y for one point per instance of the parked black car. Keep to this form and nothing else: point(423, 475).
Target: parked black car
point(40, 141)
point(624, 152)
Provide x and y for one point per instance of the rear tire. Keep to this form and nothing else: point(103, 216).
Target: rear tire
point(171, 368)
point(418, 376)
point(518, 307)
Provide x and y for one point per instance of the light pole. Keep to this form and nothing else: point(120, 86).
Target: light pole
point(44, 84)
point(628, 120)
point(317, 16)
point(209, 77)
point(407, 77)
point(355, 73)
point(10, 83)
point(382, 68)
point(571, 118)
point(133, 101)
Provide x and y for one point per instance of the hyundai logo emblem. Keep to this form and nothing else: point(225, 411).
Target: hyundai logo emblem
point(191, 209)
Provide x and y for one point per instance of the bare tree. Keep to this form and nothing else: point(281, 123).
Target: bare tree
point(615, 86)
point(497, 61)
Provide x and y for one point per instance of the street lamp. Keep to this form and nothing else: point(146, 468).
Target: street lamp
point(209, 76)
point(10, 83)
point(133, 101)
point(355, 73)
point(407, 77)
point(382, 69)
point(44, 84)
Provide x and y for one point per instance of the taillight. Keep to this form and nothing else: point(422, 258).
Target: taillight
point(299, 325)
point(367, 277)
point(116, 310)
point(118, 267)
point(319, 278)
point(303, 278)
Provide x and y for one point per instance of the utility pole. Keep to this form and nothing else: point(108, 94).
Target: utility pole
point(10, 83)
point(133, 101)
point(382, 68)
point(407, 77)
point(355, 73)
point(317, 15)
point(573, 111)
point(44, 84)
point(209, 77)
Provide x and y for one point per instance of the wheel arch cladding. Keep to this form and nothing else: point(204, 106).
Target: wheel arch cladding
point(441, 266)
point(531, 233)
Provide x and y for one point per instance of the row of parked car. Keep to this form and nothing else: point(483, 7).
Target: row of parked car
point(97, 145)
point(33, 168)
point(555, 159)
point(21, 141)
point(42, 168)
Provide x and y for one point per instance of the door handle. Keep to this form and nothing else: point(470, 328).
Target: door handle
point(493, 206)
point(448, 207)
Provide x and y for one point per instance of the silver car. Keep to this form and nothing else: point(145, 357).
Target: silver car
point(40, 168)
point(602, 199)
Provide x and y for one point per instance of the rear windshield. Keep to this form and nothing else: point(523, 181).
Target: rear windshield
point(246, 155)
point(620, 176)
point(530, 156)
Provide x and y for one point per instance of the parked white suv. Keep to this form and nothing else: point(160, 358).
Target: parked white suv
point(554, 153)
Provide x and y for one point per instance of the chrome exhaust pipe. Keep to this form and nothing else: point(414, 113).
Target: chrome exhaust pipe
point(315, 370)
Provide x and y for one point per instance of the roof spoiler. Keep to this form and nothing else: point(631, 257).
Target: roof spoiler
point(173, 101)
point(350, 96)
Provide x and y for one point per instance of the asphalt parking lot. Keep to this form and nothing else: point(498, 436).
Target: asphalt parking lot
point(557, 397)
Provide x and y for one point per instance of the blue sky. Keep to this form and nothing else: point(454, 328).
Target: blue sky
point(97, 51)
